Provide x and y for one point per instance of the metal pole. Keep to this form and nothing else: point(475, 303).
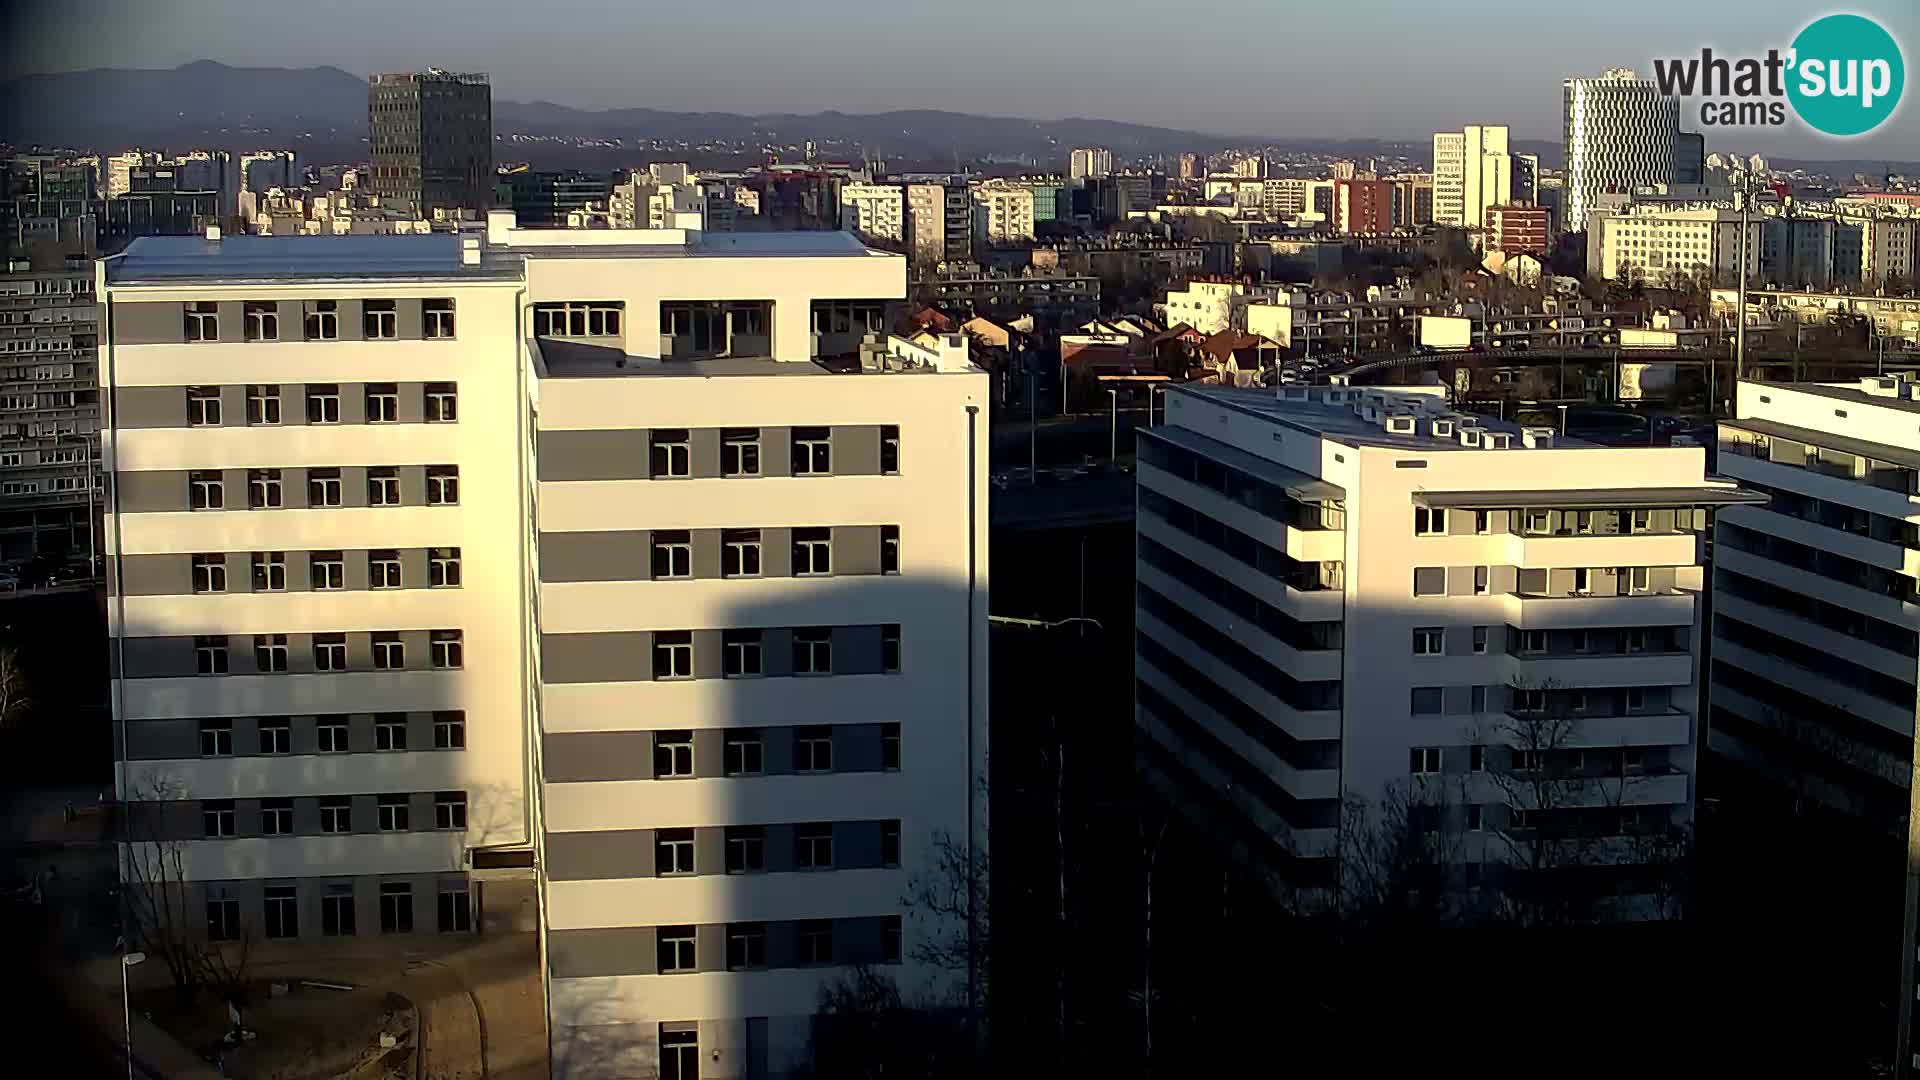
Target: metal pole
point(126, 1014)
point(92, 556)
point(1740, 314)
point(1113, 426)
point(1033, 431)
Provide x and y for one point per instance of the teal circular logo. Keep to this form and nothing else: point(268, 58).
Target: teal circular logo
point(1847, 75)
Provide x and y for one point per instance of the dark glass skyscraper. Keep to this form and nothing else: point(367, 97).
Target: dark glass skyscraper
point(431, 140)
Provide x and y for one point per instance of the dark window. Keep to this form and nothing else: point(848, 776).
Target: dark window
point(890, 746)
point(323, 403)
point(890, 939)
point(337, 911)
point(456, 914)
point(203, 406)
point(671, 453)
point(890, 843)
point(679, 1053)
point(746, 849)
point(264, 490)
point(223, 919)
point(890, 647)
point(450, 810)
point(276, 817)
point(745, 752)
point(383, 487)
point(673, 654)
point(449, 731)
point(390, 731)
point(813, 847)
point(672, 554)
point(813, 749)
point(740, 653)
point(812, 451)
point(282, 911)
point(443, 568)
point(746, 946)
point(740, 553)
point(442, 403)
point(816, 941)
point(379, 320)
point(396, 907)
point(216, 738)
point(210, 655)
point(443, 485)
point(383, 403)
point(672, 754)
point(676, 949)
point(393, 815)
point(889, 549)
point(890, 449)
point(269, 571)
point(813, 651)
point(673, 852)
point(438, 318)
point(740, 452)
point(276, 735)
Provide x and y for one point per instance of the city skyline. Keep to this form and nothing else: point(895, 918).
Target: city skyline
point(1032, 75)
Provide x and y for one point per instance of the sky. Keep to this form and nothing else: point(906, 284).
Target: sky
point(1391, 69)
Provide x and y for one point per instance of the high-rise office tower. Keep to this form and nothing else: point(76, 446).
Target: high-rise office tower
point(1087, 162)
point(554, 550)
point(49, 408)
point(1475, 168)
point(1620, 132)
point(431, 140)
point(1358, 594)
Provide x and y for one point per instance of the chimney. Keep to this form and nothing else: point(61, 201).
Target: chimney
point(470, 251)
point(213, 234)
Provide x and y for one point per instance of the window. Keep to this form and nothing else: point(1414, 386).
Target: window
point(813, 749)
point(328, 570)
point(890, 648)
point(323, 487)
point(209, 573)
point(456, 914)
point(1424, 760)
point(336, 814)
point(447, 649)
point(1480, 641)
point(1482, 522)
point(216, 738)
point(1640, 521)
point(269, 652)
point(889, 549)
point(890, 747)
point(890, 450)
point(450, 810)
point(1474, 819)
point(383, 403)
point(1528, 699)
point(389, 652)
point(396, 907)
point(1636, 699)
point(263, 321)
point(330, 733)
point(449, 731)
point(813, 847)
point(1429, 521)
point(203, 406)
point(813, 651)
point(1429, 641)
point(282, 911)
point(740, 657)
point(216, 815)
point(1582, 641)
point(442, 402)
point(746, 849)
point(740, 452)
point(890, 843)
point(443, 485)
point(670, 453)
point(672, 852)
point(746, 946)
point(330, 652)
point(263, 490)
point(592, 319)
point(437, 318)
point(1640, 580)
point(679, 1053)
point(1538, 522)
point(672, 554)
point(383, 569)
point(1477, 758)
point(673, 654)
point(206, 491)
point(1482, 580)
point(744, 753)
point(323, 403)
point(890, 939)
point(816, 941)
point(812, 451)
point(1582, 580)
point(393, 813)
point(1533, 641)
point(672, 754)
point(443, 568)
point(223, 919)
point(1526, 760)
point(276, 817)
point(1429, 581)
point(276, 732)
point(1428, 700)
point(740, 553)
point(1477, 699)
point(676, 951)
point(323, 320)
point(203, 321)
point(379, 320)
point(390, 731)
point(210, 655)
point(812, 552)
point(336, 911)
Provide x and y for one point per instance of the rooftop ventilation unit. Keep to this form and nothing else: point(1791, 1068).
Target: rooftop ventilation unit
point(1399, 424)
point(1293, 393)
point(1440, 429)
point(1470, 437)
point(1537, 438)
point(1496, 440)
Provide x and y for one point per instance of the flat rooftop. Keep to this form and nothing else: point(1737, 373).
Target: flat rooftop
point(1341, 424)
point(1849, 392)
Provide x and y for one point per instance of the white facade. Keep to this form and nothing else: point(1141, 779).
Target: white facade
point(1815, 605)
point(1620, 133)
point(725, 764)
point(874, 211)
point(1213, 306)
point(1088, 162)
point(1473, 169)
point(1002, 212)
point(1671, 246)
point(1340, 597)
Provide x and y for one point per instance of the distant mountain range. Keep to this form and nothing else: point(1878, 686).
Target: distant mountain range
point(323, 111)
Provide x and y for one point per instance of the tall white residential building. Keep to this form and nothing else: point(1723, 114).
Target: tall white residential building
point(1345, 593)
point(1089, 162)
point(874, 211)
point(1475, 168)
point(1663, 246)
point(117, 171)
point(1002, 212)
point(1620, 133)
point(1815, 626)
point(610, 552)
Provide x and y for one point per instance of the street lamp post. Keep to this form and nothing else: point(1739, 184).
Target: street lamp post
point(126, 1002)
point(1113, 426)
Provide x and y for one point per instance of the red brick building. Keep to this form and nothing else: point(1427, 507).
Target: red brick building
point(1519, 230)
point(1363, 207)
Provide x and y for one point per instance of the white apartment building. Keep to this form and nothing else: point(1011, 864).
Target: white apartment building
point(1089, 162)
point(1344, 592)
point(606, 551)
point(1002, 212)
point(1620, 134)
point(874, 211)
point(1664, 246)
point(1474, 168)
point(1815, 616)
point(1213, 306)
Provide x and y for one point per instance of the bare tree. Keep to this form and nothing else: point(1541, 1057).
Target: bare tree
point(157, 897)
point(1401, 857)
point(15, 695)
point(1152, 832)
point(950, 894)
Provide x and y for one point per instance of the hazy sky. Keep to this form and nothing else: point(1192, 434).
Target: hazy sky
point(1360, 68)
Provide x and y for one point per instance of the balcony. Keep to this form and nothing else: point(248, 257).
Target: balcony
point(1848, 490)
point(1631, 549)
point(1302, 724)
point(1666, 727)
point(1603, 669)
point(1316, 665)
point(1589, 612)
point(1300, 544)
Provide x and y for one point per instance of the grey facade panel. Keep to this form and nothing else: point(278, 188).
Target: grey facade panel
point(593, 455)
point(157, 657)
point(856, 549)
point(856, 450)
point(353, 485)
point(413, 485)
point(413, 402)
point(777, 749)
point(409, 322)
point(588, 756)
point(574, 658)
point(149, 324)
point(150, 407)
point(776, 451)
point(776, 652)
point(158, 575)
point(156, 492)
point(856, 845)
point(706, 553)
point(779, 848)
point(708, 752)
point(232, 321)
point(856, 748)
point(704, 451)
point(706, 654)
point(593, 556)
point(710, 850)
point(577, 954)
point(161, 740)
point(856, 650)
point(776, 553)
